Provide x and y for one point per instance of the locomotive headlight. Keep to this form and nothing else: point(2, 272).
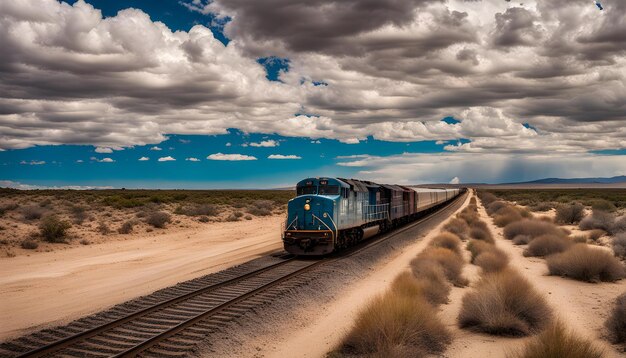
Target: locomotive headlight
point(325, 215)
point(307, 207)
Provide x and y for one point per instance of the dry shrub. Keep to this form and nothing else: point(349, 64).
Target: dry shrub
point(126, 227)
point(616, 323)
point(619, 225)
point(104, 228)
point(496, 206)
point(597, 220)
point(433, 280)
point(158, 219)
point(506, 216)
point(451, 263)
point(447, 240)
point(619, 245)
point(32, 212)
point(29, 244)
point(261, 208)
point(472, 201)
point(486, 197)
point(558, 341)
point(198, 210)
point(569, 213)
point(406, 284)
point(542, 207)
point(52, 229)
point(396, 325)
point(594, 235)
point(532, 228)
point(492, 260)
point(545, 245)
point(481, 234)
point(504, 303)
point(546, 219)
point(458, 227)
point(601, 204)
point(578, 239)
point(476, 247)
point(583, 263)
point(522, 239)
point(468, 215)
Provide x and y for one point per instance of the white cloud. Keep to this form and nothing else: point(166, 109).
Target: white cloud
point(166, 159)
point(280, 156)
point(143, 159)
point(103, 150)
point(455, 180)
point(155, 148)
point(80, 161)
point(22, 186)
point(105, 160)
point(232, 157)
point(33, 162)
point(192, 159)
point(316, 142)
point(228, 144)
point(265, 143)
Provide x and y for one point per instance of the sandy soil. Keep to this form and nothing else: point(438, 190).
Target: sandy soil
point(582, 306)
point(51, 288)
point(320, 331)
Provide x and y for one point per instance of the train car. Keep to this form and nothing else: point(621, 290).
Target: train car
point(330, 214)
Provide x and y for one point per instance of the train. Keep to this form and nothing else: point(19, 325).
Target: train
point(331, 214)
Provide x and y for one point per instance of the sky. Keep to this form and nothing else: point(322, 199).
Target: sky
point(257, 94)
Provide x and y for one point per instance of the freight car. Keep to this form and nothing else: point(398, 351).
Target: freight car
point(331, 214)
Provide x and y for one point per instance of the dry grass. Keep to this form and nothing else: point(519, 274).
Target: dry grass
point(32, 212)
point(616, 323)
point(469, 215)
point(569, 213)
point(594, 235)
point(494, 207)
point(477, 247)
point(583, 263)
point(619, 245)
point(619, 225)
point(396, 325)
point(598, 220)
point(522, 239)
point(451, 263)
point(432, 279)
point(481, 234)
point(52, 229)
point(158, 219)
point(486, 197)
point(557, 341)
point(545, 245)
point(458, 227)
point(448, 241)
point(532, 228)
point(29, 244)
point(492, 260)
point(126, 227)
point(504, 303)
point(506, 216)
point(542, 207)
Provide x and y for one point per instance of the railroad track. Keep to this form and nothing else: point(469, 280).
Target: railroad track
point(174, 325)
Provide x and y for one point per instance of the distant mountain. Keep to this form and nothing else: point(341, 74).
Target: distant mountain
point(613, 180)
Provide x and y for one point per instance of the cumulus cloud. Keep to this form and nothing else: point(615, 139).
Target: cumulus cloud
point(166, 159)
point(33, 162)
point(17, 185)
point(455, 180)
point(280, 156)
point(155, 148)
point(143, 159)
point(192, 159)
point(265, 143)
point(230, 157)
point(103, 150)
point(103, 160)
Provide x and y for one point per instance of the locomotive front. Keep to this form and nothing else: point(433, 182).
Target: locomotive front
point(311, 225)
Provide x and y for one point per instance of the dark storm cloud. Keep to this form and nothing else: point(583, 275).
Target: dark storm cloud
point(516, 27)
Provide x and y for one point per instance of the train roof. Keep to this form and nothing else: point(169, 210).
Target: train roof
point(356, 185)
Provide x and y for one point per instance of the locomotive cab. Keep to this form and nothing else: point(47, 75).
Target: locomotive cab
point(311, 225)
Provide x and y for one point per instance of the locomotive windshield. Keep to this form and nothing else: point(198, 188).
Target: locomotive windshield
point(329, 189)
point(304, 190)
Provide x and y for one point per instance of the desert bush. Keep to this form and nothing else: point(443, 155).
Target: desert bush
point(583, 263)
point(506, 216)
point(492, 260)
point(407, 284)
point(504, 303)
point(558, 341)
point(448, 241)
point(158, 219)
point(52, 229)
point(198, 210)
point(458, 227)
point(476, 247)
point(602, 204)
point(594, 235)
point(29, 244)
point(486, 197)
point(451, 263)
point(480, 234)
point(32, 212)
point(619, 245)
point(578, 239)
point(597, 220)
point(545, 245)
point(45, 203)
point(79, 213)
point(248, 217)
point(522, 239)
point(619, 225)
point(542, 206)
point(469, 216)
point(397, 325)
point(85, 242)
point(570, 213)
point(204, 219)
point(532, 228)
point(496, 206)
point(479, 224)
point(261, 208)
point(8, 207)
point(103, 228)
point(616, 322)
point(473, 201)
point(432, 279)
point(126, 227)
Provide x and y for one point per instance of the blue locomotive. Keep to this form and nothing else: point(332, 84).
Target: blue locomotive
point(330, 214)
